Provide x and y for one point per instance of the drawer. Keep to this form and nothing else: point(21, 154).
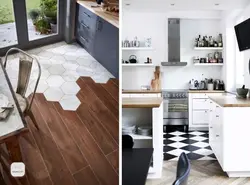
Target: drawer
point(200, 95)
point(86, 18)
point(201, 117)
point(201, 104)
point(85, 42)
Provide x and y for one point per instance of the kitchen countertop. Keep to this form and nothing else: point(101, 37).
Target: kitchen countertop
point(204, 91)
point(127, 91)
point(230, 100)
point(149, 102)
point(98, 11)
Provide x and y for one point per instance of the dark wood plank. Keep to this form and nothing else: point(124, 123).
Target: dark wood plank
point(104, 172)
point(103, 95)
point(86, 176)
point(15, 155)
point(114, 160)
point(98, 109)
point(104, 140)
point(112, 89)
point(68, 148)
point(36, 170)
point(115, 81)
point(57, 168)
point(2, 182)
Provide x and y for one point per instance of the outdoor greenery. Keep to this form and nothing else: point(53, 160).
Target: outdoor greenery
point(45, 17)
point(7, 13)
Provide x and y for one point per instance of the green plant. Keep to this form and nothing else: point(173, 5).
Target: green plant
point(34, 14)
point(42, 25)
point(49, 8)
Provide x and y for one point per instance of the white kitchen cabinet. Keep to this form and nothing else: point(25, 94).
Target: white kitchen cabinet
point(199, 109)
point(200, 104)
point(229, 138)
point(201, 117)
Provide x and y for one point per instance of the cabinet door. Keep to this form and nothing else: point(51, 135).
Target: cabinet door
point(200, 104)
point(201, 117)
point(106, 46)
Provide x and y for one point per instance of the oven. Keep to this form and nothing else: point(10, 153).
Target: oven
point(175, 108)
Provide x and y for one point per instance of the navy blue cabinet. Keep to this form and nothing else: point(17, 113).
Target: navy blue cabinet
point(99, 38)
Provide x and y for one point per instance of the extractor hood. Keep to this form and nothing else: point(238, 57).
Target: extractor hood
point(174, 44)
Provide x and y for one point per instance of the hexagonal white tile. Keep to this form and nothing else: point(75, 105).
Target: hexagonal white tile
point(46, 54)
point(56, 69)
point(57, 59)
point(53, 94)
point(41, 88)
point(55, 81)
point(70, 65)
point(70, 76)
point(70, 88)
point(44, 62)
point(70, 56)
point(84, 71)
point(85, 61)
point(70, 102)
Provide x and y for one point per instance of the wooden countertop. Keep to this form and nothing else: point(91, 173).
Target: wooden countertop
point(205, 91)
point(230, 100)
point(138, 91)
point(141, 102)
point(98, 11)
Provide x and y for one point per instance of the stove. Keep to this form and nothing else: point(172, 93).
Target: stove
point(175, 108)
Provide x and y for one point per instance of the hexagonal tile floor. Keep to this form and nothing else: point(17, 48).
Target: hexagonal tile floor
point(62, 64)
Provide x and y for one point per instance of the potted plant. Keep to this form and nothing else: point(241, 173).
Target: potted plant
point(34, 14)
point(42, 25)
point(49, 10)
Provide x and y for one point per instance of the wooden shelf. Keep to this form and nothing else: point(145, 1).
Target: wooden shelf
point(139, 137)
point(208, 48)
point(138, 65)
point(137, 48)
point(208, 64)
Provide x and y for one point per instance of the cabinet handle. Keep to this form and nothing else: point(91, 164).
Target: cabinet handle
point(217, 106)
point(217, 116)
point(85, 40)
point(100, 25)
point(210, 110)
point(86, 14)
point(205, 111)
point(217, 135)
point(211, 127)
point(84, 25)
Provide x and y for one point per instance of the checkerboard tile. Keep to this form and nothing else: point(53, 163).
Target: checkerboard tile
point(194, 144)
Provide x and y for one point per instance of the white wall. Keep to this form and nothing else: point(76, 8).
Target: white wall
point(155, 25)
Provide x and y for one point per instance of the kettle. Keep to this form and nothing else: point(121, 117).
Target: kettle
point(132, 59)
point(203, 85)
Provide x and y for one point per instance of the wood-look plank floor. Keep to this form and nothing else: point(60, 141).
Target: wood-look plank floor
point(74, 147)
point(202, 173)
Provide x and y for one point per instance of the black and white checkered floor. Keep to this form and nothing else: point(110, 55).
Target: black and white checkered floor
point(194, 144)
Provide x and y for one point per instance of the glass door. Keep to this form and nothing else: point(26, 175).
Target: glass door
point(8, 35)
point(42, 18)
point(30, 23)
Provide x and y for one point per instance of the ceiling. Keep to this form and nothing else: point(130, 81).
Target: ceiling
point(163, 5)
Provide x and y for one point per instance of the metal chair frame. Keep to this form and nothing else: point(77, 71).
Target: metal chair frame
point(24, 89)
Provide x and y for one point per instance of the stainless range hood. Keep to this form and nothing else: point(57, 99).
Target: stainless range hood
point(174, 44)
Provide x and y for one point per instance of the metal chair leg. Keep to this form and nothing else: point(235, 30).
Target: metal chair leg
point(32, 117)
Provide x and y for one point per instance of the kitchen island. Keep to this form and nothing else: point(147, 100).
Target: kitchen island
point(229, 133)
point(141, 112)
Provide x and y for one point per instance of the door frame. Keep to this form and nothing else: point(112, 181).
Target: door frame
point(20, 14)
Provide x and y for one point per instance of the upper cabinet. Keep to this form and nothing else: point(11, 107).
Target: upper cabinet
point(99, 38)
